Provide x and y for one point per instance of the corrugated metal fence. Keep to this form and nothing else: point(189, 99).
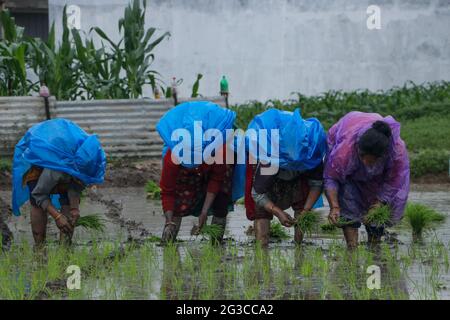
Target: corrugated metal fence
point(126, 128)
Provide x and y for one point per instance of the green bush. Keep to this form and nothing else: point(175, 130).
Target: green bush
point(408, 102)
point(429, 161)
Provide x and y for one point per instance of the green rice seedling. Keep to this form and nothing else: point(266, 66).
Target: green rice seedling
point(378, 216)
point(278, 232)
point(153, 190)
point(307, 222)
point(421, 218)
point(342, 222)
point(328, 228)
point(91, 222)
point(208, 231)
point(154, 238)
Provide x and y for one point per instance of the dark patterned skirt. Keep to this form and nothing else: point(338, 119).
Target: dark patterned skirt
point(191, 193)
point(284, 194)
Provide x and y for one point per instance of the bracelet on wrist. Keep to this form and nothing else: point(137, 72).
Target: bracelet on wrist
point(58, 216)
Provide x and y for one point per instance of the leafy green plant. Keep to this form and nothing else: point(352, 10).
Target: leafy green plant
point(153, 190)
point(378, 216)
point(54, 63)
point(278, 232)
point(13, 59)
point(91, 222)
point(421, 218)
point(136, 55)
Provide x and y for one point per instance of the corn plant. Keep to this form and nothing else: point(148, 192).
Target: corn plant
point(134, 51)
point(54, 64)
point(13, 59)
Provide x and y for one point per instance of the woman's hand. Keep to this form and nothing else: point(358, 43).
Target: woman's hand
point(334, 215)
point(202, 219)
point(285, 219)
point(63, 224)
point(75, 212)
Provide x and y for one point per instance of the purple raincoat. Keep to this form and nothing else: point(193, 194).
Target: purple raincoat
point(360, 187)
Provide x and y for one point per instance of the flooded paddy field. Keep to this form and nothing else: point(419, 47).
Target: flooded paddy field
point(127, 262)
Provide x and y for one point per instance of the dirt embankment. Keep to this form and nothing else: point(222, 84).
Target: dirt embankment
point(127, 173)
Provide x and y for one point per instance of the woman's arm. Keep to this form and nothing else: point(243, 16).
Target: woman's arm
point(261, 186)
point(168, 184)
point(41, 193)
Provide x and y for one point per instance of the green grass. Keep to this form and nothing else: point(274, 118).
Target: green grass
point(421, 218)
point(378, 216)
point(91, 222)
point(153, 190)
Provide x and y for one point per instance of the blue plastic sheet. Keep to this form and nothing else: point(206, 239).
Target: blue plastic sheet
point(194, 117)
point(188, 116)
point(61, 145)
point(302, 142)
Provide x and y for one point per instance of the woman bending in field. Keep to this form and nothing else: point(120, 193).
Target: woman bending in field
point(367, 165)
point(296, 184)
point(55, 158)
point(190, 188)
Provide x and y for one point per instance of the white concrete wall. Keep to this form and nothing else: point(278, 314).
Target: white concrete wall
point(270, 48)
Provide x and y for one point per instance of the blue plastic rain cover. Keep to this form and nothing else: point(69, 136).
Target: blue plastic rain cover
point(195, 118)
point(61, 145)
point(302, 142)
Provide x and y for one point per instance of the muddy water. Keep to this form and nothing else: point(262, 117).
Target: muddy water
point(129, 214)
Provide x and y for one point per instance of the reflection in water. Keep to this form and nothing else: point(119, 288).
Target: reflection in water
point(319, 269)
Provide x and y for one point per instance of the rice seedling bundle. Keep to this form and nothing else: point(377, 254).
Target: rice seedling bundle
point(307, 221)
point(211, 231)
point(421, 217)
point(92, 222)
point(277, 231)
point(328, 227)
point(378, 216)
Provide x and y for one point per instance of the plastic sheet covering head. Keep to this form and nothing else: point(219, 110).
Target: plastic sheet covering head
point(61, 145)
point(302, 142)
point(187, 116)
point(193, 118)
